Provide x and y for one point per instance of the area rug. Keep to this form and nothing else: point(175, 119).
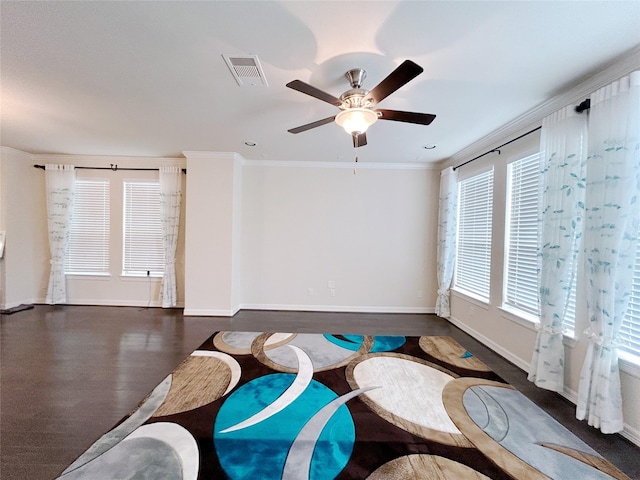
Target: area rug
point(262, 406)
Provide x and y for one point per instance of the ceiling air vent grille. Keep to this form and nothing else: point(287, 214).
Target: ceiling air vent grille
point(246, 70)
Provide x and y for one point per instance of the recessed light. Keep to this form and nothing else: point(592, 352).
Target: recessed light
point(249, 143)
point(429, 146)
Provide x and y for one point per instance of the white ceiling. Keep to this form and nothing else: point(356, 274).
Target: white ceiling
point(148, 78)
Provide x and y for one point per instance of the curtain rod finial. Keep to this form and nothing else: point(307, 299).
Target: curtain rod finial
point(585, 105)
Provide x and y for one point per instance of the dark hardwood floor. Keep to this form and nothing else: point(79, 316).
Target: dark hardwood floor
point(69, 373)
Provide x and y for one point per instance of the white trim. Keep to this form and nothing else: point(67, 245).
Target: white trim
point(198, 312)
point(478, 169)
point(338, 308)
point(469, 297)
point(305, 308)
point(631, 434)
point(345, 165)
point(503, 352)
point(628, 367)
point(628, 432)
point(621, 66)
point(7, 306)
point(9, 150)
point(101, 302)
point(520, 318)
point(213, 155)
point(89, 276)
point(152, 162)
point(140, 277)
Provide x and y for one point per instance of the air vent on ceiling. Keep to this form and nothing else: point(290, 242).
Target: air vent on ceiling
point(246, 70)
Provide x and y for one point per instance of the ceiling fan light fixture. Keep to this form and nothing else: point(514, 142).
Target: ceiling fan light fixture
point(356, 120)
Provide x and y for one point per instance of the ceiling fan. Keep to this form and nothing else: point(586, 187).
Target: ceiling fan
point(356, 112)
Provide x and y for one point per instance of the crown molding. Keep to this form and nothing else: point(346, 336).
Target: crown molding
point(74, 157)
point(343, 165)
point(13, 151)
point(203, 155)
point(621, 66)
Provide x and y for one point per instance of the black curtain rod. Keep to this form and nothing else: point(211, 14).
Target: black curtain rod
point(497, 149)
point(114, 168)
point(585, 105)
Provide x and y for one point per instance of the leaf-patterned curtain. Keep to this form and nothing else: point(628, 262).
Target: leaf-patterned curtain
point(60, 187)
point(447, 225)
point(170, 199)
point(612, 224)
point(563, 144)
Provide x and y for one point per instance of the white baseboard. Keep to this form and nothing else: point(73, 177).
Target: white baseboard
point(631, 434)
point(110, 303)
point(7, 306)
point(205, 312)
point(628, 432)
point(519, 362)
point(336, 308)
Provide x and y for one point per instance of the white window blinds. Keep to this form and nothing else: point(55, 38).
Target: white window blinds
point(143, 251)
point(629, 334)
point(88, 248)
point(473, 254)
point(521, 242)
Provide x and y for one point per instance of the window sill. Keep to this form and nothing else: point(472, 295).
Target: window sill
point(629, 365)
point(469, 297)
point(517, 317)
point(139, 278)
point(89, 276)
point(527, 321)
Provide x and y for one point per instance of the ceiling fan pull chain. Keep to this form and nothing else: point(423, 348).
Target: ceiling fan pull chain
point(354, 168)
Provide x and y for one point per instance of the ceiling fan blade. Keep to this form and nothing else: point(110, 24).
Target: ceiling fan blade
point(359, 139)
point(309, 126)
point(300, 86)
point(402, 75)
point(409, 117)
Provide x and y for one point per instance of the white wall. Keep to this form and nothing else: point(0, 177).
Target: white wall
point(257, 235)
point(27, 253)
point(372, 234)
point(512, 337)
point(213, 212)
point(22, 211)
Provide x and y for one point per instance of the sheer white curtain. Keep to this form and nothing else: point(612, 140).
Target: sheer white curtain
point(60, 187)
point(612, 223)
point(170, 199)
point(447, 224)
point(563, 146)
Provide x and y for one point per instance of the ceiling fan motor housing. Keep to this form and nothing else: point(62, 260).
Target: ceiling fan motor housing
point(355, 98)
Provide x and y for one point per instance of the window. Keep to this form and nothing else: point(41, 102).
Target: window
point(143, 240)
point(473, 255)
point(88, 248)
point(630, 329)
point(521, 242)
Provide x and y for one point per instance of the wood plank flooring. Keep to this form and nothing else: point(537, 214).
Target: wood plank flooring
point(70, 373)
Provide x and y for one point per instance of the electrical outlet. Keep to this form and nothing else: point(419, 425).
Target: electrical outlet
point(332, 292)
point(331, 284)
point(310, 292)
point(419, 294)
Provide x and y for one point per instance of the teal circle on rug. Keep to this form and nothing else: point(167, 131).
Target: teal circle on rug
point(260, 450)
point(381, 343)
